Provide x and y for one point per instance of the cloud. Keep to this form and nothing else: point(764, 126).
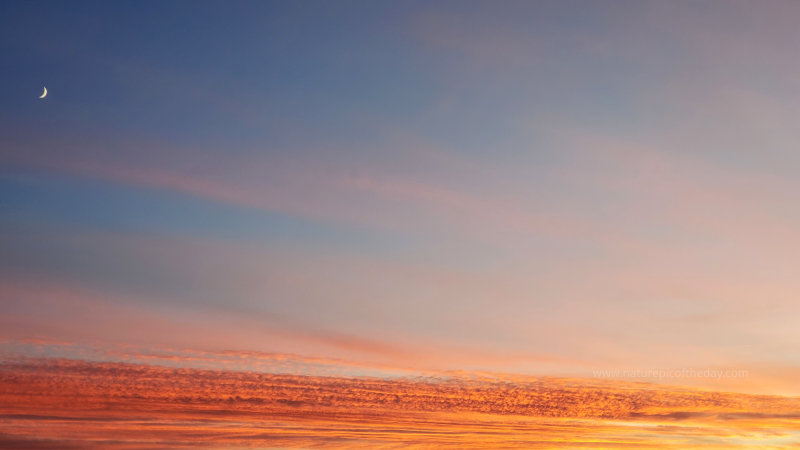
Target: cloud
point(69, 319)
point(32, 310)
point(127, 404)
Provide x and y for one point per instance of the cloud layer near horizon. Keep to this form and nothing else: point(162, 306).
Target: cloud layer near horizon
point(115, 405)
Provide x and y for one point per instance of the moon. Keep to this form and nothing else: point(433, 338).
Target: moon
point(44, 94)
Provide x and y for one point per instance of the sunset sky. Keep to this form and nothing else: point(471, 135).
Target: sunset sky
point(429, 195)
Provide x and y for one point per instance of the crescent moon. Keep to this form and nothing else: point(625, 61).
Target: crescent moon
point(44, 94)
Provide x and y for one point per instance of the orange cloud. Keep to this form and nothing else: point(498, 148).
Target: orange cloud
point(68, 402)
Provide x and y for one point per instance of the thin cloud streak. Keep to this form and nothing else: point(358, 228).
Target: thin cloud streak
point(99, 312)
point(72, 314)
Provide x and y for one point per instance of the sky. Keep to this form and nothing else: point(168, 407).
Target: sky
point(587, 190)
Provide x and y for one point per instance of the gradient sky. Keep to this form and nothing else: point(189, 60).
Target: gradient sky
point(541, 188)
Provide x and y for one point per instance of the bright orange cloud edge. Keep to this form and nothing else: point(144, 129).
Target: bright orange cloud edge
point(63, 403)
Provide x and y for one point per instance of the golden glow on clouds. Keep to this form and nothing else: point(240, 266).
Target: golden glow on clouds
point(101, 404)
